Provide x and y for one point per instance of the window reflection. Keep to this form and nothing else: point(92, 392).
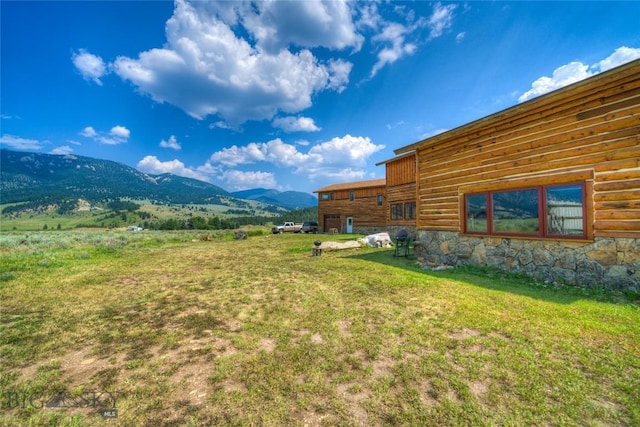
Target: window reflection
point(477, 213)
point(544, 211)
point(516, 212)
point(565, 213)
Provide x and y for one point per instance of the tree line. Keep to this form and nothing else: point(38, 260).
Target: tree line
point(216, 223)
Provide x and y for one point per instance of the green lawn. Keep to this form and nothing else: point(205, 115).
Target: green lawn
point(183, 331)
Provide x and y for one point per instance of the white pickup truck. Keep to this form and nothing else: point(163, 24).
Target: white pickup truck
point(287, 227)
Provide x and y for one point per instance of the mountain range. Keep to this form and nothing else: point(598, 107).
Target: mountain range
point(50, 179)
point(292, 199)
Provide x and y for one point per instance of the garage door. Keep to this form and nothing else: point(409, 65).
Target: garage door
point(331, 221)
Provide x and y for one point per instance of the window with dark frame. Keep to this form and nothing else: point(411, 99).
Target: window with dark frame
point(379, 199)
point(549, 211)
point(409, 211)
point(352, 195)
point(396, 211)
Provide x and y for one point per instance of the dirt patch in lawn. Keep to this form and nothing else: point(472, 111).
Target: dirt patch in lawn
point(464, 333)
point(266, 344)
point(354, 395)
point(82, 367)
point(344, 327)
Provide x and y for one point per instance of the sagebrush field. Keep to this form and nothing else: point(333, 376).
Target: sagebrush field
point(170, 328)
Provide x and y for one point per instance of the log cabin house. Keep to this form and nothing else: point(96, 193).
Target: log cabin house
point(352, 207)
point(550, 187)
point(372, 206)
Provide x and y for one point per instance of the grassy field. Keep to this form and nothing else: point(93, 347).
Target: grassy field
point(169, 329)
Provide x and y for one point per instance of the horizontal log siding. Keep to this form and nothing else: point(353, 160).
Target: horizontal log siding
point(402, 193)
point(591, 133)
point(363, 209)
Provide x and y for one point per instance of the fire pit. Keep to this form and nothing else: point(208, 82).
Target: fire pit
point(316, 250)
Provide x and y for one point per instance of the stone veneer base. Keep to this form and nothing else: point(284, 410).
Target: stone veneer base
point(610, 262)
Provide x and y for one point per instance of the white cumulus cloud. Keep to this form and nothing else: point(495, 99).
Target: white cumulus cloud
point(295, 124)
point(117, 135)
point(172, 143)
point(90, 66)
point(120, 132)
point(18, 143)
point(63, 149)
point(278, 24)
point(622, 55)
point(341, 156)
point(206, 69)
point(349, 150)
point(235, 155)
point(562, 76)
point(243, 180)
point(152, 165)
point(575, 71)
point(89, 132)
point(275, 152)
point(256, 60)
point(208, 168)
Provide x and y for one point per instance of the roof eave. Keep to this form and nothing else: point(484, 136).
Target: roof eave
point(407, 154)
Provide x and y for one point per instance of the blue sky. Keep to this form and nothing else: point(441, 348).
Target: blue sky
point(282, 94)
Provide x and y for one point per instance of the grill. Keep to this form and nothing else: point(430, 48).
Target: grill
point(402, 243)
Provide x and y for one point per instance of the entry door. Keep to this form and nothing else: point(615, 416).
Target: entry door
point(349, 225)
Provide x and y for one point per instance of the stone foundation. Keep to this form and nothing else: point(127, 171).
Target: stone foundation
point(610, 262)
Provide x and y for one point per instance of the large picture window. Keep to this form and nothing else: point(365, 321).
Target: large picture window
point(544, 211)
